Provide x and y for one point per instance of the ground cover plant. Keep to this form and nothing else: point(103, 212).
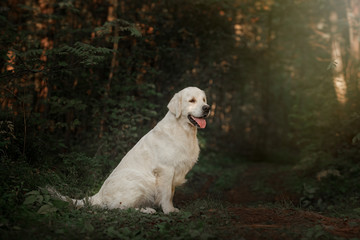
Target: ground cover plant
point(253, 206)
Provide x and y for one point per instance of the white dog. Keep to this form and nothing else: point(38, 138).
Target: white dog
point(150, 171)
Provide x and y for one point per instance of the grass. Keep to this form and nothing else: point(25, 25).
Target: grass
point(40, 217)
point(28, 212)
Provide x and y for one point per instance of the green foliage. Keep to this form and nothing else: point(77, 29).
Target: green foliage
point(43, 202)
point(6, 133)
point(356, 139)
point(85, 54)
point(317, 232)
point(46, 217)
point(63, 87)
point(335, 191)
point(121, 25)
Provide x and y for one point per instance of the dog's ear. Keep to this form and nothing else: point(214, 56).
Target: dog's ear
point(174, 105)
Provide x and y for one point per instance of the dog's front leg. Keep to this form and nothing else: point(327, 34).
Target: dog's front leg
point(166, 190)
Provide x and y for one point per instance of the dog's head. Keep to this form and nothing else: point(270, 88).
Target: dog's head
point(190, 104)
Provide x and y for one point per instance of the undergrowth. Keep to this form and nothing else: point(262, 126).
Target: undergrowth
point(41, 217)
point(28, 211)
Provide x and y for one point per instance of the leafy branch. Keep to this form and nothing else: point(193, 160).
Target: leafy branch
point(122, 25)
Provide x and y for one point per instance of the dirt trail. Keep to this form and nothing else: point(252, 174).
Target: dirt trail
point(261, 183)
point(276, 223)
point(264, 183)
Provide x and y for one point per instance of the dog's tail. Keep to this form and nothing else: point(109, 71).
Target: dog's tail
point(76, 202)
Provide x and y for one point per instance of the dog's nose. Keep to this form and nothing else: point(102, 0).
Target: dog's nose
point(206, 108)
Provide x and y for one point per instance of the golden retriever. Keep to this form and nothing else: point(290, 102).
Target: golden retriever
point(147, 175)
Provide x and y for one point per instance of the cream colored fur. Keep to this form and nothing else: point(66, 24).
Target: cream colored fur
point(148, 174)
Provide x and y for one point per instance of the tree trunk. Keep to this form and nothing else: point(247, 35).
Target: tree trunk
point(339, 82)
point(353, 19)
point(112, 15)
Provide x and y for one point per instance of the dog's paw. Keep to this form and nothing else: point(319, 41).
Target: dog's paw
point(170, 210)
point(147, 210)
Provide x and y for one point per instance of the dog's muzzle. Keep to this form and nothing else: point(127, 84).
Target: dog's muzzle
point(200, 122)
point(206, 111)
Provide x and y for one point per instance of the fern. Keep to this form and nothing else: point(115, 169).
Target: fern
point(88, 54)
point(31, 53)
point(68, 5)
point(123, 26)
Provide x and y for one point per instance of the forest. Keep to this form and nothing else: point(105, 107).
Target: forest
point(82, 81)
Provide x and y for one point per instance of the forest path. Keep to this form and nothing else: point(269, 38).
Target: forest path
point(262, 183)
point(266, 183)
point(261, 205)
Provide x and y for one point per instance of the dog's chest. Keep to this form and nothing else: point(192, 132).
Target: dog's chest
point(175, 148)
point(188, 150)
point(184, 161)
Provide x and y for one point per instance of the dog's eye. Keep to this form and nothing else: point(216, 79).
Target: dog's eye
point(204, 100)
point(193, 100)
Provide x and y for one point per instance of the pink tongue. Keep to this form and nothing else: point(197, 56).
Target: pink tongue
point(200, 121)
